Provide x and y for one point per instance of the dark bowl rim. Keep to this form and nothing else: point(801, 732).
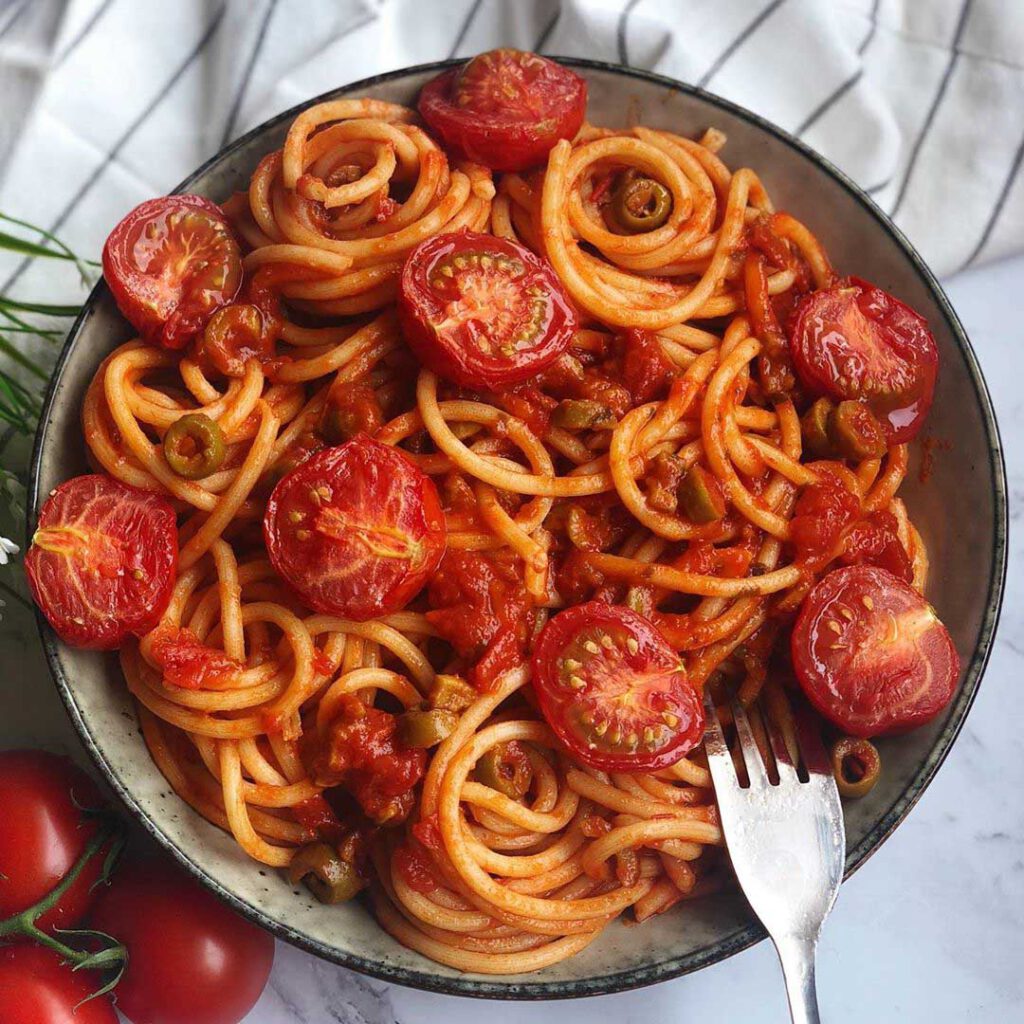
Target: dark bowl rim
point(742, 938)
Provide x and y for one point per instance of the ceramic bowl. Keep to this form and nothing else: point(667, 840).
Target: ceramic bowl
point(960, 510)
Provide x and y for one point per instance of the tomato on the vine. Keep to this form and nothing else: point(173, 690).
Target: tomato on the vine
point(190, 957)
point(37, 987)
point(44, 828)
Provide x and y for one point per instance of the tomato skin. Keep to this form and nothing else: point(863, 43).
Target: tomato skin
point(505, 109)
point(823, 510)
point(190, 957)
point(499, 318)
point(870, 653)
point(102, 561)
point(189, 664)
point(874, 541)
point(856, 341)
point(170, 263)
point(43, 833)
point(632, 683)
point(37, 987)
point(355, 530)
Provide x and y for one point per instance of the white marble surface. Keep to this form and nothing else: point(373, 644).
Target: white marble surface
point(931, 929)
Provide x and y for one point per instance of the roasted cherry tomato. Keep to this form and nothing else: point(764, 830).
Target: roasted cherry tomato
point(234, 335)
point(170, 264)
point(613, 690)
point(356, 530)
point(871, 654)
point(505, 108)
point(37, 987)
point(856, 341)
point(483, 311)
point(44, 829)
point(190, 957)
point(102, 561)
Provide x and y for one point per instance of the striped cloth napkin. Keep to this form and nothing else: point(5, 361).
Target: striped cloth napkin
point(108, 102)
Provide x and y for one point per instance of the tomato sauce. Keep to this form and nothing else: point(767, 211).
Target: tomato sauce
point(823, 510)
point(415, 867)
point(188, 663)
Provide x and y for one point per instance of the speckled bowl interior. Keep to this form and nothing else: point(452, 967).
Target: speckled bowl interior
point(960, 510)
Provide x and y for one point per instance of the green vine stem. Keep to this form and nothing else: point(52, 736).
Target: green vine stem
point(111, 953)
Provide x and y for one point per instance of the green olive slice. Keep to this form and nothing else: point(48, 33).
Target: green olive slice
point(330, 877)
point(640, 204)
point(856, 433)
point(194, 446)
point(583, 414)
point(700, 496)
point(814, 429)
point(506, 768)
point(425, 727)
point(451, 693)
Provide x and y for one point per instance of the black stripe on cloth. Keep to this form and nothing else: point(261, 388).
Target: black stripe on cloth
point(874, 27)
point(826, 104)
point(545, 34)
point(954, 56)
point(993, 219)
point(622, 30)
point(738, 42)
point(250, 66)
point(123, 140)
point(16, 12)
point(83, 33)
point(464, 28)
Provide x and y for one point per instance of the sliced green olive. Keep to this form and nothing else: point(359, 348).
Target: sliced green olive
point(330, 877)
point(583, 414)
point(506, 768)
point(640, 204)
point(194, 446)
point(451, 693)
point(425, 727)
point(856, 766)
point(814, 429)
point(700, 497)
point(856, 433)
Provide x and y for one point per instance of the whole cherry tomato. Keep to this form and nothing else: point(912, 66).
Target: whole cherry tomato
point(37, 987)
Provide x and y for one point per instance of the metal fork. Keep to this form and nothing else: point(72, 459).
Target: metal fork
point(786, 841)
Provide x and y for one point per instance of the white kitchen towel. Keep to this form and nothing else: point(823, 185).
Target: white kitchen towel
point(920, 101)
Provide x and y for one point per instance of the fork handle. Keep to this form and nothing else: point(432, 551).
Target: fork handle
point(797, 957)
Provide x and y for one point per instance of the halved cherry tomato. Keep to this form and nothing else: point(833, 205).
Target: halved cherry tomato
point(356, 530)
point(505, 108)
point(483, 311)
point(871, 654)
point(102, 561)
point(170, 264)
point(613, 690)
point(43, 831)
point(234, 335)
point(856, 341)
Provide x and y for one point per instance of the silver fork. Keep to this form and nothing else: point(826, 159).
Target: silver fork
point(786, 841)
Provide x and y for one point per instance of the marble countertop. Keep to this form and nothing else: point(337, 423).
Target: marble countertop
point(929, 930)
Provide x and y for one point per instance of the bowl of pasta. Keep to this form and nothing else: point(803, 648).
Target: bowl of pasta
point(432, 453)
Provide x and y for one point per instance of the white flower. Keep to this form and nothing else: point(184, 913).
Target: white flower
point(7, 548)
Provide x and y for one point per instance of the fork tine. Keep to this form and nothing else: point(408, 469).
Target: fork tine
point(723, 771)
point(756, 770)
point(783, 762)
point(812, 750)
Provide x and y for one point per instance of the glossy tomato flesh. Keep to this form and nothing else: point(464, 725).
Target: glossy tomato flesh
point(871, 654)
point(170, 263)
point(190, 958)
point(505, 108)
point(481, 311)
point(614, 691)
point(37, 987)
point(43, 832)
point(102, 561)
point(355, 530)
point(857, 341)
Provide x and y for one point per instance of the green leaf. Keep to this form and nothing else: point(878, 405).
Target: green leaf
point(40, 307)
point(13, 244)
point(22, 360)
